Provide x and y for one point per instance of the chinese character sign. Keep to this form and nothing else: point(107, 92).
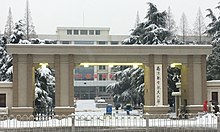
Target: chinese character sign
point(158, 84)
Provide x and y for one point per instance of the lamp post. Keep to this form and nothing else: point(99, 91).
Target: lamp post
point(177, 98)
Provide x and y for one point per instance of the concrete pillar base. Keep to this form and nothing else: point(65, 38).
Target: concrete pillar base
point(194, 108)
point(21, 111)
point(64, 110)
point(163, 109)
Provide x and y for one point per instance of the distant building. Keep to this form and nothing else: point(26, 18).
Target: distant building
point(213, 91)
point(85, 36)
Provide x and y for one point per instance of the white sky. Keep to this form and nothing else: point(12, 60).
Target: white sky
point(119, 15)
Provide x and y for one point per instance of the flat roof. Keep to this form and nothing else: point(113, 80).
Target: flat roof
point(109, 49)
point(84, 28)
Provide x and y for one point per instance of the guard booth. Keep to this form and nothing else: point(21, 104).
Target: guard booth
point(154, 59)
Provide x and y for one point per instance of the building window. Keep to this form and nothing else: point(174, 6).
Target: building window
point(102, 67)
point(103, 76)
point(91, 32)
point(102, 89)
point(69, 32)
point(114, 42)
point(83, 32)
point(65, 42)
point(83, 42)
point(84, 73)
point(102, 42)
point(2, 100)
point(76, 32)
point(97, 32)
point(215, 96)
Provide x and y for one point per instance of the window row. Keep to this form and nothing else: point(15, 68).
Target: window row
point(103, 76)
point(83, 32)
point(90, 42)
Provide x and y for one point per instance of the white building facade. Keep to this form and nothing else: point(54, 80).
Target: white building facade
point(85, 36)
point(213, 88)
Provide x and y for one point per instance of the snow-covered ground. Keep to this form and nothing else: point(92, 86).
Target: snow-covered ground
point(88, 115)
point(87, 107)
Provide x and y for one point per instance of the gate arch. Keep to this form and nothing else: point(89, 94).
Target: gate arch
point(64, 57)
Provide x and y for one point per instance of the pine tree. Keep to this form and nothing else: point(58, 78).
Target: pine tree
point(28, 24)
point(6, 62)
point(183, 26)
point(9, 25)
point(152, 30)
point(6, 68)
point(199, 26)
point(44, 90)
point(18, 34)
point(137, 21)
point(213, 62)
point(170, 22)
point(129, 86)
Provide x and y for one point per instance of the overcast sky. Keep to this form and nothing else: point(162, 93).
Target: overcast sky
point(119, 15)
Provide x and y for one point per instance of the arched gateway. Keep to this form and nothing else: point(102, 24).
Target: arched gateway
point(152, 57)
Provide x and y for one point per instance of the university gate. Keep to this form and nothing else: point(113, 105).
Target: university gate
point(154, 59)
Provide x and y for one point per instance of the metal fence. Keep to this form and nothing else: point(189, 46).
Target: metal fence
point(110, 123)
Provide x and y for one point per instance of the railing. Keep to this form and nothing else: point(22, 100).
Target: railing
point(41, 113)
point(110, 123)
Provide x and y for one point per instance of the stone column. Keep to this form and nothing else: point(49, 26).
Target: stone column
point(149, 95)
point(190, 88)
point(64, 80)
point(203, 77)
point(57, 78)
point(71, 87)
point(64, 91)
point(30, 81)
point(22, 81)
point(15, 80)
point(21, 103)
point(164, 79)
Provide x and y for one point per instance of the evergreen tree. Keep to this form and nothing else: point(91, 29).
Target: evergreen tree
point(152, 30)
point(18, 34)
point(199, 26)
point(44, 90)
point(6, 62)
point(213, 30)
point(170, 22)
point(6, 68)
point(28, 24)
point(129, 86)
point(183, 26)
point(137, 21)
point(9, 26)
